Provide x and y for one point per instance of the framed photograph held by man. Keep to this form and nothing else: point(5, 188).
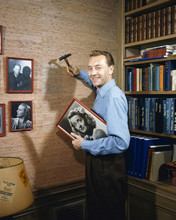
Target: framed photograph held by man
point(82, 121)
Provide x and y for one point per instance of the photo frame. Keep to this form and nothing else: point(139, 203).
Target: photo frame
point(2, 120)
point(21, 118)
point(81, 120)
point(0, 39)
point(19, 75)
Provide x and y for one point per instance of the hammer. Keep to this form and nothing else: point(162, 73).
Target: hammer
point(65, 58)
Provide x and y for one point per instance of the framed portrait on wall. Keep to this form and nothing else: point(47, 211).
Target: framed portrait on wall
point(82, 121)
point(21, 115)
point(0, 39)
point(2, 120)
point(19, 75)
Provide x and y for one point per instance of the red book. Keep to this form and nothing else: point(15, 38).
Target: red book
point(134, 80)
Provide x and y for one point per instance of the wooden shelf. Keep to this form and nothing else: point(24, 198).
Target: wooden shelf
point(153, 133)
point(150, 93)
point(158, 41)
point(150, 7)
point(149, 61)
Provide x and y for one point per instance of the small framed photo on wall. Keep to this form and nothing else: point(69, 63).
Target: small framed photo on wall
point(82, 121)
point(2, 120)
point(21, 115)
point(19, 75)
point(0, 39)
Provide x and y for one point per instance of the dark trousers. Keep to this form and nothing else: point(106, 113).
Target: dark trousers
point(105, 187)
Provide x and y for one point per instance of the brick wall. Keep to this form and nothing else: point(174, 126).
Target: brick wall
point(44, 30)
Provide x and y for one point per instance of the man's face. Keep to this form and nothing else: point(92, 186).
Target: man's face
point(16, 70)
point(99, 71)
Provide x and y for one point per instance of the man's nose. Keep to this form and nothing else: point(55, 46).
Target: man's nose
point(93, 72)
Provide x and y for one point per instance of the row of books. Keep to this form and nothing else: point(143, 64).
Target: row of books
point(133, 4)
point(146, 155)
point(150, 25)
point(153, 53)
point(152, 114)
point(155, 77)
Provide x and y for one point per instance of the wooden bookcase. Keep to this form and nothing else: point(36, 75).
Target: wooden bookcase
point(146, 199)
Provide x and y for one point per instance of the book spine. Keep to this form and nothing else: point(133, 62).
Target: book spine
point(143, 27)
point(164, 116)
point(139, 28)
point(167, 70)
point(148, 25)
point(127, 31)
point(161, 75)
point(163, 22)
point(153, 24)
point(175, 117)
point(131, 30)
point(168, 21)
point(168, 118)
point(156, 79)
point(135, 31)
point(173, 19)
point(172, 106)
point(157, 23)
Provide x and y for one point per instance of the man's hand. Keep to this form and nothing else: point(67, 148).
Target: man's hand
point(77, 142)
point(73, 71)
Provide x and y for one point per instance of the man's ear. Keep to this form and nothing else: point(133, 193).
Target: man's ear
point(111, 69)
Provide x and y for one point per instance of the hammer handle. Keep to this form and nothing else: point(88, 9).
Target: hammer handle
point(67, 62)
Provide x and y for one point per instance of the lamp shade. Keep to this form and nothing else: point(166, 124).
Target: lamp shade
point(15, 189)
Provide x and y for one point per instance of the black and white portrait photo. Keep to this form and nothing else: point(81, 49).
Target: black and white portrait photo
point(19, 75)
point(20, 115)
point(82, 121)
point(2, 120)
point(0, 39)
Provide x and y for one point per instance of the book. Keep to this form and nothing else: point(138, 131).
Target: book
point(156, 78)
point(151, 151)
point(161, 77)
point(158, 159)
point(169, 65)
point(144, 153)
point(173, 19)
point(159, 115)
point(168, 21)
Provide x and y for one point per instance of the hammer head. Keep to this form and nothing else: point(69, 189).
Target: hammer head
point(65, 57)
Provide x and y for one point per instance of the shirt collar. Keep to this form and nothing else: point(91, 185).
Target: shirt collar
point(103, 90)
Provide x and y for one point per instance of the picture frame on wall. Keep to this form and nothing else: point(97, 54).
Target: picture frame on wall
point(2, 120)
point(0, 39)
point(82, 121)
point(19, 75)
point(21, 116)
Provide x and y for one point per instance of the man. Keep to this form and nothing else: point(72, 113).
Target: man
point(15, 79)
point(105, 164)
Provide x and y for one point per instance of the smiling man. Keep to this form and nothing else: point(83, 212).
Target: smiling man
point(105, 163)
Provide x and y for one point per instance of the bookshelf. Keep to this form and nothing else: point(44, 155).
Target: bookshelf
point(146, 198)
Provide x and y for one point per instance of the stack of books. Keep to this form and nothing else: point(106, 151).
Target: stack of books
point(145, 156)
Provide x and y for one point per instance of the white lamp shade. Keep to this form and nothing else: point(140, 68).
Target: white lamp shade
point(15, 189)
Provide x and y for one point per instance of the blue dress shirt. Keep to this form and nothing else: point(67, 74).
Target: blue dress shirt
point(111, 105)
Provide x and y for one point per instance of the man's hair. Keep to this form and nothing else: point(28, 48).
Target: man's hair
point(109, 58)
